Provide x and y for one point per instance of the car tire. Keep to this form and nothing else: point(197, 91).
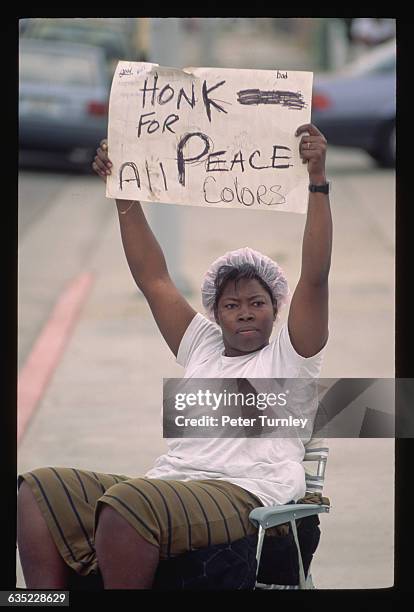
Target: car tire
point(384, 153)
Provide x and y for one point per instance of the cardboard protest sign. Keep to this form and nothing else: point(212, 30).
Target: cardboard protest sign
point(214, 137)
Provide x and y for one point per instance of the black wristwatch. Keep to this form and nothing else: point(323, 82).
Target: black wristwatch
point(319, 188)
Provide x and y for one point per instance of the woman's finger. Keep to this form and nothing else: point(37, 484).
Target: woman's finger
point(102, 154)
point(103, 157)
point(100, 162)
point(313, 151)
point(309, 138)
point(98, 171)
point(307, 144)
point(315, 140)
point(313, 155)
point(308, 127)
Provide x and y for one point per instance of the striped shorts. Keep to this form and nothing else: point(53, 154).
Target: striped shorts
point(176, 516)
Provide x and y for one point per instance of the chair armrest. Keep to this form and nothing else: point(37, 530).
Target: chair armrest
point(270, 516)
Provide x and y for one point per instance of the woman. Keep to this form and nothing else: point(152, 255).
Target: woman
point(201, 492)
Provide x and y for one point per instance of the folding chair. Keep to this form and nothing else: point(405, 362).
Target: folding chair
point(267, 517)
point(234, 566)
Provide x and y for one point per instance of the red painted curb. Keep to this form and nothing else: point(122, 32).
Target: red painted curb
point(48, 349)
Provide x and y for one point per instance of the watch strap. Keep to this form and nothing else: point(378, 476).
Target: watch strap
point(319, 188)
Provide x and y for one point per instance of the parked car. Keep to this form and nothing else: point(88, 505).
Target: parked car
point(63, 99)
point(356, 106)
point(112, 36)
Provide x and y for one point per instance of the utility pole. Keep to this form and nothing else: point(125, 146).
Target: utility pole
point(165, 48)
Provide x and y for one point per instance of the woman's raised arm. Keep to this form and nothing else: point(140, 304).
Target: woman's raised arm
point(146, 261)
point(308, 313)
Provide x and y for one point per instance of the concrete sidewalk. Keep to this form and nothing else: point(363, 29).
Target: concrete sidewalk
point(102, 408)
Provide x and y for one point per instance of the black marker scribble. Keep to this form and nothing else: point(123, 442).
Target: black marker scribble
point(128, 180)
point(164, 177)
point(182, 161)
point(291, 99)
point(208, 102)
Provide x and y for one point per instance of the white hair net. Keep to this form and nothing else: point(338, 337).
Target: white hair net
point(267, 269)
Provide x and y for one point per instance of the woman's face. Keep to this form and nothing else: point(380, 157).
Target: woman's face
point(246, 315)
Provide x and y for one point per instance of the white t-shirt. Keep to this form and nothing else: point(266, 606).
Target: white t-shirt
point(270, 468)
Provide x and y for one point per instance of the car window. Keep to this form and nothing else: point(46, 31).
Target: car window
point(58, 68)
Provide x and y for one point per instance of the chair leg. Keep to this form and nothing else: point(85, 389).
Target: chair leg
point(309, 581)
point(260, 538)
point(302, 579)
